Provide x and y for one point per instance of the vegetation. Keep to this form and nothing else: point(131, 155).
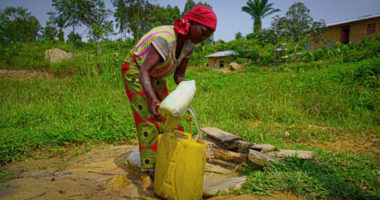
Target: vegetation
point(311, 100)
point(258, 9)
point(297, 25)
point(17, 25)
point(339, 179)
point(91, 13)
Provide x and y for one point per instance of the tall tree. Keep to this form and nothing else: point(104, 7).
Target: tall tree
point(297, 24)
point(238, 36)
point(165, 15)
point(75, 12)
point(101, 27)
point(18, 25)
point(68, 11)
point(188, 6)
point(134, 16)
point(60, 24)
point(174, 13)
point(78, 38)
point(120, 15)
point(49, 32)
point(98, 23)
point(258, 9)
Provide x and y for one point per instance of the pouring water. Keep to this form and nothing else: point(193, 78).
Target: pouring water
point(194, 114)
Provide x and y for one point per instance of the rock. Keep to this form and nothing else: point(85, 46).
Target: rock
point(212, 143)
point(227, 155)
point(220, 135)
point(134, 159)
point(287, 134)
point(225, 164)
point(258, 159)
point(236, 197)
point(283, 153)
point(263, 148)
point(240, 146)
point(214, 184)
point(146, 181)
point(235, 66)
point(133, 170)
point(117, 182)
point(57, 55)
point(217, 169)
point(144, 197)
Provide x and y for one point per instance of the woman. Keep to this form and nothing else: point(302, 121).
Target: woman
point(159, 53)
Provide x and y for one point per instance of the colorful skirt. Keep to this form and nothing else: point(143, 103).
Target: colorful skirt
point(147, 129)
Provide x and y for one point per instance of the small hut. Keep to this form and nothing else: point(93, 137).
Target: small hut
point(217, 59)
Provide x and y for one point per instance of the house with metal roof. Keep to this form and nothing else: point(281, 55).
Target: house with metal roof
point(352, 31)
point(217, 59)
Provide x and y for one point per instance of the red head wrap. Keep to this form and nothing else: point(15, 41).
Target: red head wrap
point(200, 14)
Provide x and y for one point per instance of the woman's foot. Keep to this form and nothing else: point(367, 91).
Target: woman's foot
point(147, 177)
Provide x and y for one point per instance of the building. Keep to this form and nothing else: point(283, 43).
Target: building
point(351, 31)
point(217, 59)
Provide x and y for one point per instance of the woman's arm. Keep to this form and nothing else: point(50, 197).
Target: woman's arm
point(152, 59)
point(179, 74)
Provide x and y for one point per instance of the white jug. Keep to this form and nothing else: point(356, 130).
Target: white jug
point(174, 106)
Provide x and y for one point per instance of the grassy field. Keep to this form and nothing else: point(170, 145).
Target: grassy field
point(330, 107)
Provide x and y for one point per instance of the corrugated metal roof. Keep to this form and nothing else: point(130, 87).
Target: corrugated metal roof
point(221, 54)
point(354, 19)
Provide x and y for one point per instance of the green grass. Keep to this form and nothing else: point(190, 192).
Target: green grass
point(234, 100)
point(48, 113)
point(333, 176)
point(86, 102)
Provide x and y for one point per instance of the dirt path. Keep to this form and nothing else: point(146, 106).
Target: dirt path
point(80, 178)
point(9, 74)
point(83, 177)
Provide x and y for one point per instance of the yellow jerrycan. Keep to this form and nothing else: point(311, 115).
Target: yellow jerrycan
point(180, 166)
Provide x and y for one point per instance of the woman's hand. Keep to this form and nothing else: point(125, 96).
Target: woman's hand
point(154, 110)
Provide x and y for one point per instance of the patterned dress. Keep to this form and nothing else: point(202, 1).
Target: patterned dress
point(164, 40)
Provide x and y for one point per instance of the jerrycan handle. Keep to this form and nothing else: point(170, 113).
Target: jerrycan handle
point(180, 133)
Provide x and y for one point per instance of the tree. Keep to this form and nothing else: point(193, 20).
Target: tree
point(134, 16)
point(297, 24)
point(78, 38)
point(166, 16)
point(238, 36)
point(50, 31)
point(69, 13)
point(97, 22)
point(258, 9)
point(190, 4)
point(98, 31)
point(18, 25)
point(75, 13)
point(59, 22)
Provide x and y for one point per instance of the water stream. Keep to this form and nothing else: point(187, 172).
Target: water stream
point(194, 114)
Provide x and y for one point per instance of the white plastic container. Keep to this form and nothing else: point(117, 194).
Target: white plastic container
point(174, 106)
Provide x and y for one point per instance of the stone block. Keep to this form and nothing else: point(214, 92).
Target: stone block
point(220, 135)
point(258, 159)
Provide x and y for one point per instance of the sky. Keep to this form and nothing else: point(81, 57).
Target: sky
point(231, 19)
